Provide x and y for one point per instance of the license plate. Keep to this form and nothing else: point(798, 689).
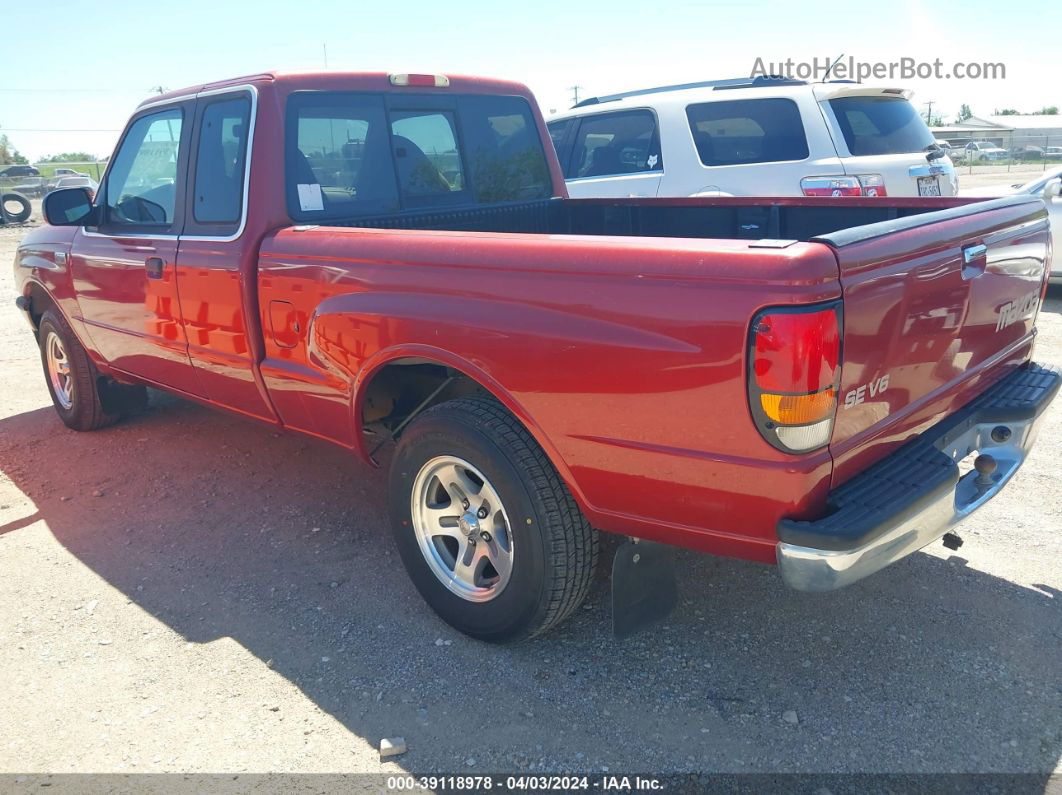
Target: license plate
point(928, 186)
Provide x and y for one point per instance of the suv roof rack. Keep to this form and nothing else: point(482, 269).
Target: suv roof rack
point(762, 81)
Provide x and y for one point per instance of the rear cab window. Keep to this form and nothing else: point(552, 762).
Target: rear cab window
point(740, 132)
point(880, 125)
point(352, 154)
point(615, 144)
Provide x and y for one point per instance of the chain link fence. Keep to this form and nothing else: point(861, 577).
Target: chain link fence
point(993, 153)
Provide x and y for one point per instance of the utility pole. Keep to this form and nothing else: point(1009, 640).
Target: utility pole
point(575, 94)
point(3, 205)
point(324, 49)
point(929, 113)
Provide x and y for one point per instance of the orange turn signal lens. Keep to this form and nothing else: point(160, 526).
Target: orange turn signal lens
point(798, 409)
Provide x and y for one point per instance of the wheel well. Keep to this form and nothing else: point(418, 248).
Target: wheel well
point(400, 388)
point(40, 302)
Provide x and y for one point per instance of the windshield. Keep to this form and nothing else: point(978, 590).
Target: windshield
point(880, 125)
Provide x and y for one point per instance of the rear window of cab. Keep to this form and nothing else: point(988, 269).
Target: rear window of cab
point(351, 154)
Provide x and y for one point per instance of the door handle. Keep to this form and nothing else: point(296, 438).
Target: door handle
point(974, 260)
point(154, 267)
point(971, 253)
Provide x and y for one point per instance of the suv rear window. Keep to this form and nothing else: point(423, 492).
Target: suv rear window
point(349, 154)
point(743, 131)
point(880, 125)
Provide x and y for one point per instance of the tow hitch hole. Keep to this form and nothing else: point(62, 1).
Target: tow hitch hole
point(1001, 433)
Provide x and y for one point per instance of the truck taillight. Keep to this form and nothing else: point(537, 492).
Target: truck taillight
point(857, 185)
point(794, 367)
point(432, 81)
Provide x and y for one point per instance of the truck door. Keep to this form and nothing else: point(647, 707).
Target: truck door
point(123, 269)
point(214, 253)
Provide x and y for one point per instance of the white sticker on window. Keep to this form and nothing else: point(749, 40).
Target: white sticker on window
point(310, 197)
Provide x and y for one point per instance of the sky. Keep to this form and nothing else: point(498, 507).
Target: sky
point(72, 90)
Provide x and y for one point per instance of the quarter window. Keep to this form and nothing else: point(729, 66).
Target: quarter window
point(616, 143)
point(737, 132)
point(142, 182)
point(220, 161)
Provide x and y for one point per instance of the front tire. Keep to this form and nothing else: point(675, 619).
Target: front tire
point(83, 399)
point(489, 534)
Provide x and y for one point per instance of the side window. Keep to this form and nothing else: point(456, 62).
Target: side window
point(425, 150)
point(142, 183)
point(747, 131)
point(616, 143)
point(220, 161)
point(557, 131)
point(558, 134)
point(337, 160)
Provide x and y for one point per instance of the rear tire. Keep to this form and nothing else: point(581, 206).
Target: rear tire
point(527, 510)
point(83, 399)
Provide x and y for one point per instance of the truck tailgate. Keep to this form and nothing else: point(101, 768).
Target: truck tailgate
point(936, 308)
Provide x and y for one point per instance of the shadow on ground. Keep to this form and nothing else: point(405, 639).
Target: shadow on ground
point(219, 527)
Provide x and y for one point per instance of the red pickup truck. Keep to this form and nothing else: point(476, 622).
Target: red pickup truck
point(368, 257)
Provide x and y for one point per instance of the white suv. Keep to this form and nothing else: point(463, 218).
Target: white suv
point(751, 137)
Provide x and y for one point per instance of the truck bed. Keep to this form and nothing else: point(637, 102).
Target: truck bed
point(618, 329)
point(738, 218)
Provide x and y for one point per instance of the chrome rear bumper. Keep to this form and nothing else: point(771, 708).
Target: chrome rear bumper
point(916, 495)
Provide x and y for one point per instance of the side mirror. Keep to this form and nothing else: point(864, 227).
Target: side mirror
point(69, 207)
point(1052, 189)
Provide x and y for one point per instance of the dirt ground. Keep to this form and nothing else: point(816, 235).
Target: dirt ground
point(192, 592)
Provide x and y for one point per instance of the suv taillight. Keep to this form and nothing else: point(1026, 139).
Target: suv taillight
point(794, 368)
point(857, 185)
point(872, 184)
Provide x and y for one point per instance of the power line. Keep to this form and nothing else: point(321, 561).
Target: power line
point(72, 90)
point(49, 129)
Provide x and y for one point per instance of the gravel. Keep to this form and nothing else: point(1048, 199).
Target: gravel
point(249, 614)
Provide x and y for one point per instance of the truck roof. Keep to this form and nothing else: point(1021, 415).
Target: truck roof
point(345, 81)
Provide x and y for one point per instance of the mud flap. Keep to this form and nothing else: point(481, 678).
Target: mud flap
point(643, 586)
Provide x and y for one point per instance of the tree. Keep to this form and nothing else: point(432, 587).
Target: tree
point(1007, 112)
point(9, 155)
point(1051, 110)
point(70, 157)
point(965, 112)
